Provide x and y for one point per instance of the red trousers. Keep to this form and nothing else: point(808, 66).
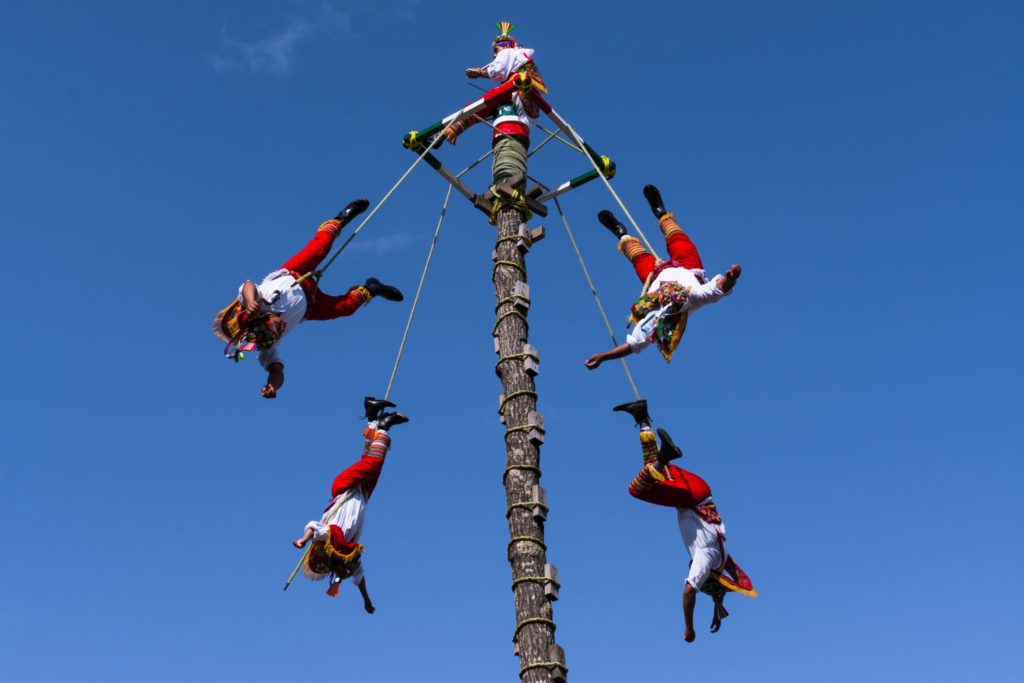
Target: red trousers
point(321, 306)
point(684, 490)
point(364, 473)
point(681, 249)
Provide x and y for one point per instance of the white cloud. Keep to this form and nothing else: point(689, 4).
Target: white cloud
point(275, 54)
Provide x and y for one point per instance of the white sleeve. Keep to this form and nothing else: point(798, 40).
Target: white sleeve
point(501, 67)
point(707, 293)
point(270, 356)
point(319, 529)
point(700, 567)
point(643, 333)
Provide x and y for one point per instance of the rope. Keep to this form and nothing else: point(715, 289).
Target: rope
point(593, 291)
point(521, 428)
point(593, 163)
point(327, 515)
point(524, 504)
point(543, 665)
point(511, 299)
point(515, 394)
point(419, 290)
point(298, 566)
point(535, 579)
point(510, 264)
point(514, 356)
point(321, 270)
point(506, 314)
point(531, 468)
point(532, 620)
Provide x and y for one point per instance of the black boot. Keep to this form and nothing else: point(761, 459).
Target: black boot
point(352, 210)
point(389, 420)
point(638, 410)
point(668, 450)
point(654, 199)
point(377, 288)
point(375, 406)
point(612, 223)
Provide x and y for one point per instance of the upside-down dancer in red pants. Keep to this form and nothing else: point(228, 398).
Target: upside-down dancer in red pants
point(677, 287)
point(712, 570)
point(262, 314)
point(336, 551)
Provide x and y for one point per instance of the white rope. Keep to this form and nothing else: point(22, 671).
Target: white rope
point(593, 291)
point(419, 290)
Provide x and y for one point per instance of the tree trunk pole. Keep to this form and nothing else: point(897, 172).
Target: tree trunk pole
point(535, 629)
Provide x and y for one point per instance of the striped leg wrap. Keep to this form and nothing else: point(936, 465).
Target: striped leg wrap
point(361, 293)
point(668, 225)
point(368, 433)
point(649, 445)
point(646, 479)
point(378, 448)
point(631, 248)
point(333, 227)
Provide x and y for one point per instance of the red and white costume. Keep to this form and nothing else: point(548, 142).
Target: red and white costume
point(510, 119)
point(700, 525)
point(296, 304)
point(350, 493)
point(684, 269)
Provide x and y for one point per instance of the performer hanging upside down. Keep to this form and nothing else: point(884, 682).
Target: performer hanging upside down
point(336, 551)
point(677, 286)
point(712, 570)
point(264, 313)
point(512, 118)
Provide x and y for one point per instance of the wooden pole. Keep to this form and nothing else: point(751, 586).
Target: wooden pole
point(535, 629)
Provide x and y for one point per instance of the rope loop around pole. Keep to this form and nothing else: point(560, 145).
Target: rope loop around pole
point(510, 264)
point(511, 299)
point(525, 504)
point(515, 394)
point(543, 665)
point(521, 428)
point(534, 579)
point(532, 620)
point(507, 314)
point(528, 468)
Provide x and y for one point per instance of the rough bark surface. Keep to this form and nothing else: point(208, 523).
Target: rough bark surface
point(526, 557)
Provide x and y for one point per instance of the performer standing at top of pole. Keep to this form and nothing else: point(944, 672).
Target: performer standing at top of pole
point(512, 118)
point(675, 288)
point(262, 314)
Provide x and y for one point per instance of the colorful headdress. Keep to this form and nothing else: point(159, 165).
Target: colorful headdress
point(332, 557)
point(504, 38)
point(244, 333)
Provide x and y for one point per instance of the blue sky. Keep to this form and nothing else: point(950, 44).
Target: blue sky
point(855, 406)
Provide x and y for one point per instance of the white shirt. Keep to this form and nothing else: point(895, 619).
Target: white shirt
point(704, 542)
point(506, 63)
point(348, 517)
point(289, 302)
point(701, 293)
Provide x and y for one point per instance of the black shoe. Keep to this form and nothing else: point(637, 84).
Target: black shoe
point(377, 288)
point(612, 223)
point(389, 420)
point(638, 409)
point(375, 406)
point(668, 450)
point(352, 210)
point(654, 199)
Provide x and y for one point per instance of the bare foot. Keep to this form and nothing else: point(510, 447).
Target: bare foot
point(689, 636)
point(730, 277)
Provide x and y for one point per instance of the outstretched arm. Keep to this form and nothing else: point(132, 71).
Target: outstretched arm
point(689, 600)
point(275, 379)
point(620, 351)
point(367, 603)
